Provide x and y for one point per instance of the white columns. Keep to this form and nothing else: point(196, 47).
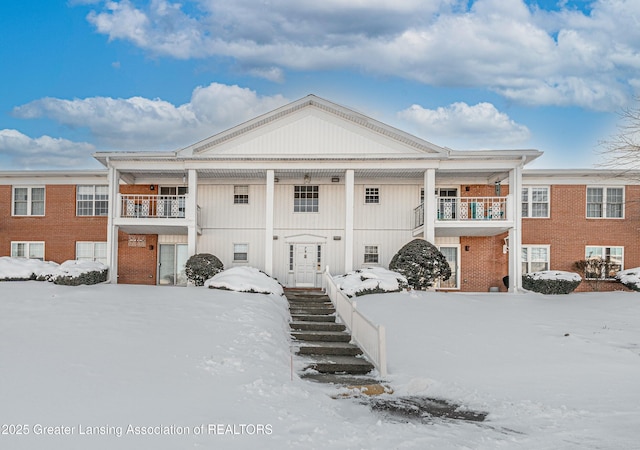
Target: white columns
point(429, 209)
point(112, 230)
point(349, 192)
point(515, 233)
point(268, 226)
point(192, 212)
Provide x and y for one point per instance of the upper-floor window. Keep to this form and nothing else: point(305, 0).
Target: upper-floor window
point(305, 198)
point(372, 195)
point(91, 251)
point(92, 200)
point(32, 250)
point(535, 258)
point(607, 261)
point(605, 202)
point(535, 201)
point(28, 201)
point(241, 195)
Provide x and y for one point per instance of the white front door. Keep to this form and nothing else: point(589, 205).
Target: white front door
point(306, 265)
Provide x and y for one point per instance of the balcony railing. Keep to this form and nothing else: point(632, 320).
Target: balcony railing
point(153, 206)
point(465, 209)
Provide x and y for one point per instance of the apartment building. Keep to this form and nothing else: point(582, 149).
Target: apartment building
point(314, 185)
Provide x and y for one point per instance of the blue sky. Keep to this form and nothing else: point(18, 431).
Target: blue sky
point(80, 76)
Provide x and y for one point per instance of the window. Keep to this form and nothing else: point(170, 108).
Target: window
point(371, 255)
point(31, 250)
point(91, 251)
point(305, 199)
point(535, 258)
point(240, 252)
point(28, 201)
point(241, 195)
point(372, 195)
point(92, 200)
point(291, 257)
point(535, 202)
point(319, 258)
point(605, 202)
point(607, 261)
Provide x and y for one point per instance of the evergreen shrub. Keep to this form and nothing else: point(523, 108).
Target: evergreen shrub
point(421, 263)
point(202, 266)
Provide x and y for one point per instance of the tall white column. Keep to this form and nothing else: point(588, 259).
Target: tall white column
point(515, 233)
point(429, 205)
point(268, 226)
point(349, 192)
point(192, 212)
point(112, 230)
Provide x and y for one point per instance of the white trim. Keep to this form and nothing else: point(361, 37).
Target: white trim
point(240, 261)
point(378, 195)
point(93, 251)
point(531, 246)
point(377, 253)
point(28, 249)
point(458, 267)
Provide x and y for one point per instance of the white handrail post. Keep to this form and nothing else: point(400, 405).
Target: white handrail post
point(382, 350)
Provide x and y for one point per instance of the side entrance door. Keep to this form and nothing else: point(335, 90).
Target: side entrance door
point(171, 268)
point(306, 264)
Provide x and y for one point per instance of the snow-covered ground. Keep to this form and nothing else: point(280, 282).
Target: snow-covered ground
point(208, 368)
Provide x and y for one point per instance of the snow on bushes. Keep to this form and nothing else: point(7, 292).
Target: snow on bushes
point(245, 279)
point(630, 278)
point(72, 273)
point(421, 263)
point(202, 266)
point(370, 280)
point(551, 282)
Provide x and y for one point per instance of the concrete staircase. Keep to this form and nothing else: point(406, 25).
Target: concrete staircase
point(324, 343)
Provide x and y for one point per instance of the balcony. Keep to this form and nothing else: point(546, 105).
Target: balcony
point(154, 214)
point(467, 216)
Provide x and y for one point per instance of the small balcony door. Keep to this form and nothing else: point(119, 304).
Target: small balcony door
point(171, 268)
point(170, 204)
point(447, 207)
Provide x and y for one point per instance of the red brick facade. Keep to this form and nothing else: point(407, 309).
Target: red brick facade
point(60, 228)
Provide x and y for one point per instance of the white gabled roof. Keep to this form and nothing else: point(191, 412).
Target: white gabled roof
point(308, 121)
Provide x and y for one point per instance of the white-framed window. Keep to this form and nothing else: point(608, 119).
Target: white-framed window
point(372, 195)
point(92, 200)
point(612, 256)
point(305, 198)
point(241, 195)
point(240, 252)
point(452, 255)
point(91, 251)
point(28, 201)
point(535, 258)
point(605, 202)
point(28, 249)
point(535, 201)
point(371, 254)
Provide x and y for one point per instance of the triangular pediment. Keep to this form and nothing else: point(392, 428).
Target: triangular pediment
point(312, 127)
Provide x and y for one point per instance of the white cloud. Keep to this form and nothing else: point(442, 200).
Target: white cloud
point(138, 123)
point(467, 126)
point(569, 56)
point(43, 152)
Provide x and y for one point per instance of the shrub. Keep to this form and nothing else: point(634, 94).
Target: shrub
point(202, 266)
point(421, 263)
point(630, 278)
point(93, 277)
point(551, 282)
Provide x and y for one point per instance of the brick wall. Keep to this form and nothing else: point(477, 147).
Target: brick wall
point(137, 264)
point(482, 263)
point(59, 228)
point(568, 231)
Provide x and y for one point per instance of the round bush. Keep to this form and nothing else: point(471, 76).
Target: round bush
point(421, 263)
point(551, 282)
point(202, 266)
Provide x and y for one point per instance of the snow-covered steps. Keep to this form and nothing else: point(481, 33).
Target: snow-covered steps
point(325, 344)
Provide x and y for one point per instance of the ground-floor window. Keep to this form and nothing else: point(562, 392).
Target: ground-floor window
point(535, 258)
point(91, 251)
point(240, 252)
point(32, 250)
point(371, 255)
point(607, 261)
